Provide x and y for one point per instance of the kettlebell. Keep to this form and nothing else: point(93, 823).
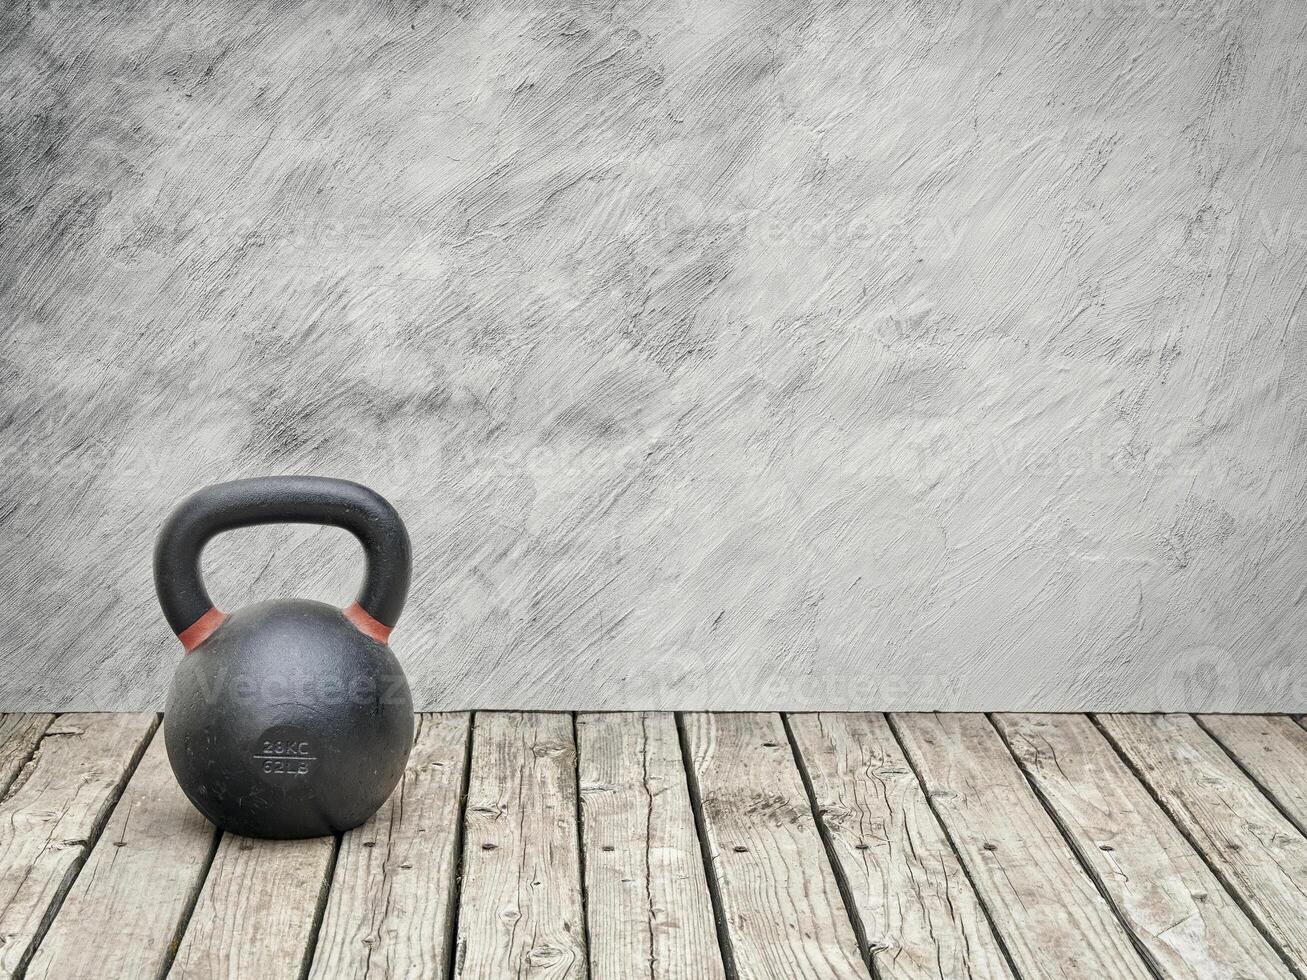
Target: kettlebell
point(288, 718)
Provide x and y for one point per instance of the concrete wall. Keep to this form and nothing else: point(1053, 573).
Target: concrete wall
point(731, 355)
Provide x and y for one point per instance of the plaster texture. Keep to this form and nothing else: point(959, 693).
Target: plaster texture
point(719, 355)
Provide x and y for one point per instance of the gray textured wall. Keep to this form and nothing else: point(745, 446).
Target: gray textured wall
point(731, 355)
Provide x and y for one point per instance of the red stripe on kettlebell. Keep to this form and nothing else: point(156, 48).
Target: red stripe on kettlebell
point(200, 630)
point(366, 625)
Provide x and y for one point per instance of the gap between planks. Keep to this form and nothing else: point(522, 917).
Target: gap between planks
point(1227, 817)
point(694, 747)
point(1184, 921)
point(53, 811)
point(884, 841)
point(650, 913)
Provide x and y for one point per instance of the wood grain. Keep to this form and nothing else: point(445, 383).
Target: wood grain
point(256, 912)
point(1183, 834)
point(1271, 749)
point(51, 816)
point(1178, 911)
point(19, 735)
point(124, 913)
point(520, 911)
point(649, 912)
point(918, 911)
point(782, 905)
point(392, 902)
point(1259, 853)
point(1051, 918)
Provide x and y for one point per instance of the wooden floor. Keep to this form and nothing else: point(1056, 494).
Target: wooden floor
point(698, 846)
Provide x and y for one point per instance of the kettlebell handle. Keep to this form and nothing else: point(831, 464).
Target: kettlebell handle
point(277, 500)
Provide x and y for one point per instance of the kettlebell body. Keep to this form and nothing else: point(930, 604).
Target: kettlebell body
point(289, 718)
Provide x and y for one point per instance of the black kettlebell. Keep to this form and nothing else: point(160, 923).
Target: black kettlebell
point(289, 718)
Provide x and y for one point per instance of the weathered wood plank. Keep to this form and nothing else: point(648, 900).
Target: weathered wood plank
point(1050, 916)
point(919, 913)
point(255, 914)
point(520, 912)
point(122, 915)
point(391, 908)
point(650, 914)
point(54, 809)
point(19, 735)
point(780, 898)
point(1261, 855)
point(1177, 909)
point(1273, 750)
